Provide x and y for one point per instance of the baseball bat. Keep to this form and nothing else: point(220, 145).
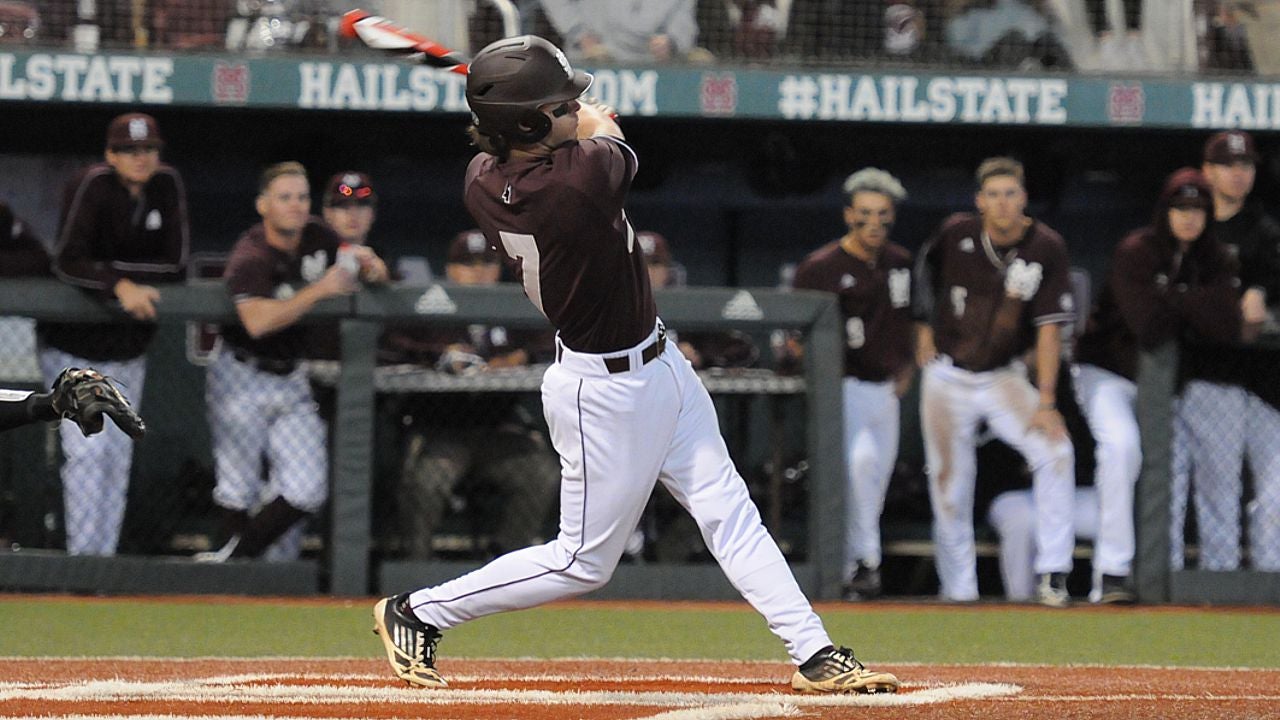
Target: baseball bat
point(382, 34)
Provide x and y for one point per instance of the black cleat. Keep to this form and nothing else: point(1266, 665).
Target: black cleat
point(864, 585)
point(836, 670)
point(409, 642)
point(1116, 591)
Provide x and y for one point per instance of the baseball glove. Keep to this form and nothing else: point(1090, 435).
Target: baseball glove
point(84, 396)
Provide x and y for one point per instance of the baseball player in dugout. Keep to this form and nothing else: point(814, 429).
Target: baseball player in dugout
point(1228, 407)
point(259, 399)
point(625, 409)
point(1168, 280)
point(349, 206)
point(124, 230)
point(487, 439)
point(990, 287)
point(872, 278)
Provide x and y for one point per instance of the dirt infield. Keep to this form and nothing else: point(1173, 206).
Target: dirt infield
point(619, 689)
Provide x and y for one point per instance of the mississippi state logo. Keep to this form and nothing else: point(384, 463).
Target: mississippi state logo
point(1022, 280)
point(900, 287)
point(313, 265)
point(719, 94)
point(1126, 104)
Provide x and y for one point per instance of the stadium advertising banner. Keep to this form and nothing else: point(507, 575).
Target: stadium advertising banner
point(884, 97)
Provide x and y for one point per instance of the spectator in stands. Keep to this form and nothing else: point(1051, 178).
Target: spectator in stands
point(1161, 280)
point(624, 31)
point(260, 403)
point(991, 288)
point(124, 228)
point(742, 29)
point(1004, 34)
point(871, 276)
point(1118, 30)
point(1229, 404)
point(488, 439)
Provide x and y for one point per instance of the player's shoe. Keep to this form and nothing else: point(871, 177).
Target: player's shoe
point(864, 585)
point(220, 555)
point(1051, 590)
point(1116, 591)
point(836, 670)
point(409, 642)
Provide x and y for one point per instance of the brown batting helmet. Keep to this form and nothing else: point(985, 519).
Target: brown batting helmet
point(510, 79)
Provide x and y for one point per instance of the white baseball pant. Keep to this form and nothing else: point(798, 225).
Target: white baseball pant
point(617, 434)
point(95, 471)
point(953, 403)
point(871, 429)
point(1013, 516)
point(1106, 400)
point(1216, 426)
point(255, 415)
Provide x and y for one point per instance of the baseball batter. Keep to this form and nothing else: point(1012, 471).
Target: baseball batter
point(991, 286)
point(624, 407)
point(1163, 278)
point(872, 278)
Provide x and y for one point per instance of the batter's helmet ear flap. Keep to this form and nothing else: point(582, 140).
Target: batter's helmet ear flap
point(530, 127)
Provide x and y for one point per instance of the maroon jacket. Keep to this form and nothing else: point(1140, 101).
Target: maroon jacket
point(560, 220)
point(985, 303)
point(21, 252)
point(1152, 295)
point(107, 235)
point(875, 303)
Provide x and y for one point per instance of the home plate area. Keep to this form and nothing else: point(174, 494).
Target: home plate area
point(605, 689)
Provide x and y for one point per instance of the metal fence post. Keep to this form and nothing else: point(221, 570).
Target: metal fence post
point(1157, 378)
point(353, 460)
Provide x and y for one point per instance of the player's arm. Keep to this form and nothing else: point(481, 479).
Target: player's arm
point(924, 298)
point(595, 120)
point(20, 407)
point(1047, 419)
point(262, 316)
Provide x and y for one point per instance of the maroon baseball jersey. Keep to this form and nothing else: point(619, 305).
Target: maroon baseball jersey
point(560, 220)
point(107, 234)
point(258, 270)
point(21, 252)
point(985, 302)
point(875, 302)
point(1150, 295)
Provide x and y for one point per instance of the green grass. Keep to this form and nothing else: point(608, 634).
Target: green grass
point(936, 634)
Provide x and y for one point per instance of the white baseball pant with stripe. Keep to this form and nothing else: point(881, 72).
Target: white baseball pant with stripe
point(618, 433)
point(95, 471)
point(871, 411)
point(256, 415)
point(1013, 516)
point(1215, 428)
point(1106, 400)
point(953, 402)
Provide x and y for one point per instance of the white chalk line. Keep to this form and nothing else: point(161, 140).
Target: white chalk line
point(213, 692)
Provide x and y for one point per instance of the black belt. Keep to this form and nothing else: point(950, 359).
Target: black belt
point(266, 365)
point(622, 363)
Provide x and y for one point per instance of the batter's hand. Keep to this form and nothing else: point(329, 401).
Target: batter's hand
point(1048, 421)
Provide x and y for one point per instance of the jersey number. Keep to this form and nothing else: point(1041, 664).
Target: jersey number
point(524, 249)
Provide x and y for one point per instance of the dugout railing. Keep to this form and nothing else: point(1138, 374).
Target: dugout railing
point(347, 566)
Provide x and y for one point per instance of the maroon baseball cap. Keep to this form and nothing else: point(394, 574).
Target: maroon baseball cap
point(133, 130)
point(1187, 188)
point(1229, 147)
point(655, 248)
point(349, 188)
point(470, 247)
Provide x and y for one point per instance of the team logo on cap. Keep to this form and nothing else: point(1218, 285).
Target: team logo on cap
point(1235, 143)
point(564, 63)
point(476, 244)
point(137, 129)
